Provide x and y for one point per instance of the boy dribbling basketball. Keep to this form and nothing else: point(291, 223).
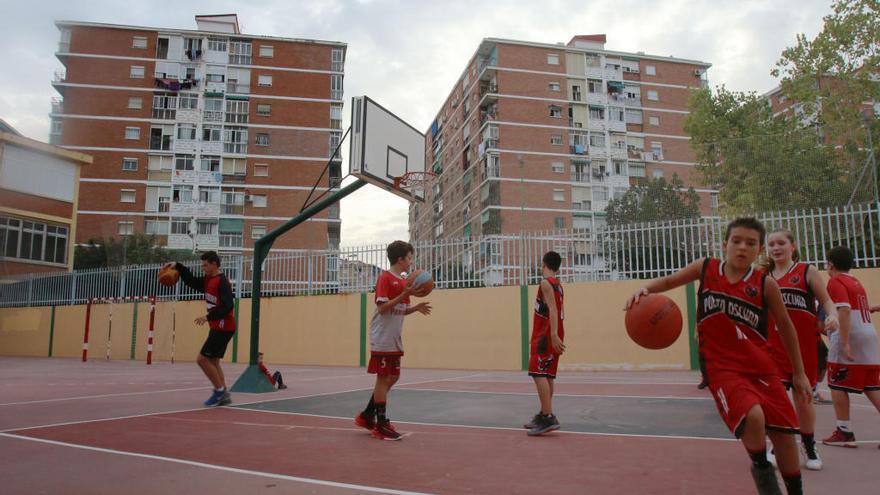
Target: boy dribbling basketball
point(386, 344)
point(734, 300)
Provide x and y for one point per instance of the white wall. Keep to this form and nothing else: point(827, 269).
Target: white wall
point(34, 173)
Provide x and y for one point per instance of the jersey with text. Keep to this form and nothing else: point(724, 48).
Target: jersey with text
point(847, 292)
point(800, 303)
point(732, 321)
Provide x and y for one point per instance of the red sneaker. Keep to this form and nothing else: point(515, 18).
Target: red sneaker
point(368, 423)
point(384, 430)
point(841, 439)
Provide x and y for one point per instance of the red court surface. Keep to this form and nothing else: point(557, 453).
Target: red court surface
point(121, 427)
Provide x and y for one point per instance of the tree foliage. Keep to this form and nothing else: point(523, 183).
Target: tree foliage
point(654, 200)
point(125, 251)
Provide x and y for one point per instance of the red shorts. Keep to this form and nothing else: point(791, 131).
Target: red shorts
point(542, 361)
point(810, 356)
point(384, 364)
point(735, 394)
point(855, 378)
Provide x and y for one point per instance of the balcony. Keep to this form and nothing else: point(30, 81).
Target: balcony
point(212, 116)
point(171, 84)
point(164, 113)
point(336, 94)
point(230, 240)
point(64, 47)
point(577, 149)
point(60, 77)
point(596, 125)
point(194, 55)
point(238, 88)
point(580, 176)
point(57, 106)
point(231, 208)
point(487, 63)
point(235, 148)
point(161, 143)
point(239, 59)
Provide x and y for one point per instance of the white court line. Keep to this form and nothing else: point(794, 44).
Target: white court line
point(333, 484)
point(532, 394)
point(508, 428)
point(132, 416)
point(587, 382)
point(100, 396)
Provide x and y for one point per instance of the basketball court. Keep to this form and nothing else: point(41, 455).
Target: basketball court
point(118, 427)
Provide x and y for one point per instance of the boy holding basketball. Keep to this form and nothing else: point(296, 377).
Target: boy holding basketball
point(734, 301)
point(220, 320)
point(547, 343)
point(386, 344)
point(853, 361)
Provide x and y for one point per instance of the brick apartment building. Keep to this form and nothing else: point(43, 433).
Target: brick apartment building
point(540, 136)
point(206, 136)
point(39, 190)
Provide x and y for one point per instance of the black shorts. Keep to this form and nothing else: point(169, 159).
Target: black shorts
point(215, 344)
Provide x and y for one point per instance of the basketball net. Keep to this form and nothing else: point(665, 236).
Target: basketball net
point(414, 182)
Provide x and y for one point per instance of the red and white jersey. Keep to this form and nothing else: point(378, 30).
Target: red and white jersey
point(800, 303)
point(732, 321)
point(541, 320)
point(847, 292)
point(386, 330)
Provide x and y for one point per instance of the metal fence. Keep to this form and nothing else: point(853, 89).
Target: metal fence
point(612, 253)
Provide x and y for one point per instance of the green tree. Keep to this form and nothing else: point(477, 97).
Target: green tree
point(654, 200)
point(136, 249)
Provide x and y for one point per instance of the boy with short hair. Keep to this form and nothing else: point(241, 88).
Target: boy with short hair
point(220, 320)
point(853, 362)
point(547, 343)
point(386, 344)
point(733, 305)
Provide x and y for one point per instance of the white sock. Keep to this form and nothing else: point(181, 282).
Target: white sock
point(843, 426)
point(220, 389)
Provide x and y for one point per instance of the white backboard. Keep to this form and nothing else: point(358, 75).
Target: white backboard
point(383, 146)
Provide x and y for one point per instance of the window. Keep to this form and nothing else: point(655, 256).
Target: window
point(240, 52)
point(650, 70)
point(337, 59)
point(186, 131)
point(215, 78)
point(179, 226)
point(336, 117)
point(183, 162)
point(556, 139)
point(559, 195)
point(237, 111)
point(234, 166)
point(633, 116)
point(258, 200)
point(559, 222)
point(213, 110)
point(129, 164)
point(555, 112)
point(162, 48)
point(558, 167)
point(156, 226)
point(133, 133)
point(713, 200)
point(56, 127)
point(136, 72)
point(264, 109)
point(654, 120)
point(657, 174)
point(597, 113)
point(576, 92)
point(616, 114)
point(125, 228)
point(210, 163)
point(135, 102)
point(657, 150)
point(262, 140)
point(188, 101)
point(554, 86)
point(652, 95)
point(182, 194)
point(264, 80)
point(160, 162)
point(597, 140)
point(209, 194)
point(636, 169)
point(619, 168)
point(600, 193)
point(127, 196)
point(438, 229)
point(594, 85)
point(258, 231)
point(261, 170)
point(267, 51)
point(207, 228)
point(139, 42)
point(217, 44)
point(552, 59)
point(336, 87)
point(211, 132)
point(32, 240)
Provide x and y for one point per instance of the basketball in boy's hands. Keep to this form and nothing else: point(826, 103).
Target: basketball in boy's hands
point(168, 276)
point(422, 281)
point(654, 322)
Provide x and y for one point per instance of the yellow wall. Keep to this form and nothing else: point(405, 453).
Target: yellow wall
point(469, 328)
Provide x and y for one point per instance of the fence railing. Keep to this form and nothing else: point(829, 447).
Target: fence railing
point(611, 253)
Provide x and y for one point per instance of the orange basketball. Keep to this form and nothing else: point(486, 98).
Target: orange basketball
point(168, 276)
point(654, 322)
point(423, 282)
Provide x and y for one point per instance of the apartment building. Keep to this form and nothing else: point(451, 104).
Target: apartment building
point(539, 136)
point(207, 138)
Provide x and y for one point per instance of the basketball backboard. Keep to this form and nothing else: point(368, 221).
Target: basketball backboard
point(384, 147)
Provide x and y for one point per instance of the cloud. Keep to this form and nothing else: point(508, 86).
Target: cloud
point(408, 55)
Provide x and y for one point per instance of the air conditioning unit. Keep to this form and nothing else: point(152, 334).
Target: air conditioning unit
point(698, 72)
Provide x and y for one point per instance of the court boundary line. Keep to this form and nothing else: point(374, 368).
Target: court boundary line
point(100, 396)
point(264, 474)
point(533, 394)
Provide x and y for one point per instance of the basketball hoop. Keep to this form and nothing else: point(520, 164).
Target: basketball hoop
point(414, 182)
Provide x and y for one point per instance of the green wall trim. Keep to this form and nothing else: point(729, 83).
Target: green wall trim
point(51, 330)
point(235, 335)
point(524, 324)
point(363, 331)
point(691, 295)
point(134, 326)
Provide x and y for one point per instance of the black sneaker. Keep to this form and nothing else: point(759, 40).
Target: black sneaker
point(703, 384)
point(544, 424)
point(225, 400)
point(384, 430)
point(765, 480)
point(534, 422)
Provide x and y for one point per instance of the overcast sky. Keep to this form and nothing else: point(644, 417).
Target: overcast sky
point(408, 54)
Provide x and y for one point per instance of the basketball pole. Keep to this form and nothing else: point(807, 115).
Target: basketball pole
point(253, 380)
